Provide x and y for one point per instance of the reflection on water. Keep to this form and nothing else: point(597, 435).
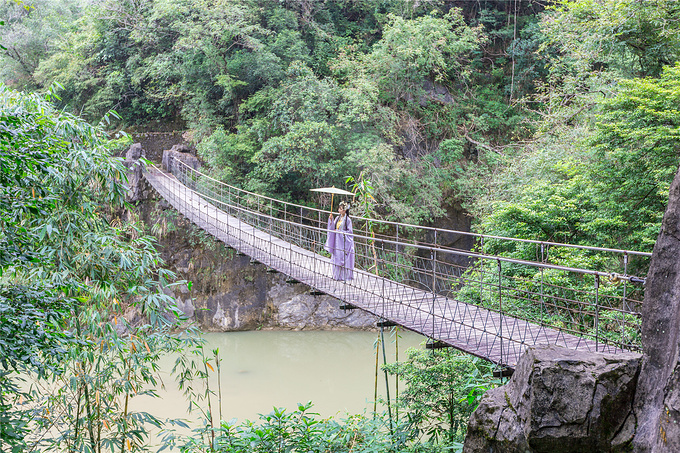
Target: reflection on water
point(335, 370)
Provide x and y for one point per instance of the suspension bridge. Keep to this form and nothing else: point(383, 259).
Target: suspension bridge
point(480, 301)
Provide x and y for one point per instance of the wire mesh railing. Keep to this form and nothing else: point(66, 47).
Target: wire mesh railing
point(517, 282)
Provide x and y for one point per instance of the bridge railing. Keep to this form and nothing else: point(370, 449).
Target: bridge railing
point(528, 280)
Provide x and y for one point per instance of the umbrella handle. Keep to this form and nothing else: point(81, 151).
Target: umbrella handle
point(332, 195)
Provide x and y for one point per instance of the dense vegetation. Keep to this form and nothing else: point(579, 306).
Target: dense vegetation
point(70, 271)
point(509, 107)
point(551, 122)
point(284, 96)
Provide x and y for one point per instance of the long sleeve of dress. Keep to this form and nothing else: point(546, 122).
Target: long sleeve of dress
point(329, 246)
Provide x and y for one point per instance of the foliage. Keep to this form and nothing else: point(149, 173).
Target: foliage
point(614, 187)
point(31, 338)
point(309, 127)
point(590, 46)
point(299, 430)
point(442, 390)
point(608, 187)
point(31, 33)
point(624, 36)
point(419, 49)
point(283, 96)
point(404, 191)
point(637, 143)
point(229, 155)
point(70, 273)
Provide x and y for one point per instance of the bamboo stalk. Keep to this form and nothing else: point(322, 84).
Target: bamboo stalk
point(387, 382)
point(375, 387)
point(218, 363)
point(210, 413)
point(396, 378)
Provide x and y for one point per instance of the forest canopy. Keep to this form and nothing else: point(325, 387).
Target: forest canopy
point(503, 108)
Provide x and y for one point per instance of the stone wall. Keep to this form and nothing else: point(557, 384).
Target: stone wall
point(155, 142)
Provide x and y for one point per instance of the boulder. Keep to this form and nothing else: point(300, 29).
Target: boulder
point(135, 152)
point(559, 401)
point(304, 311)
point(138, 187)
point(182, 153)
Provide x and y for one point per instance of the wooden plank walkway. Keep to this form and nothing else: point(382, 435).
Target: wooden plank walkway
point(478, 331)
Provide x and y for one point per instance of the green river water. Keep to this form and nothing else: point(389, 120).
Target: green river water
point(261, 369)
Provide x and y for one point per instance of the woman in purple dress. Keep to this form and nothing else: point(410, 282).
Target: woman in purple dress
point(340, 243)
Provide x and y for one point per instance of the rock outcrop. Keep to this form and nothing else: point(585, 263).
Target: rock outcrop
point(138, 188)
point(559, 401)
point(657, 403)
point(229, 292)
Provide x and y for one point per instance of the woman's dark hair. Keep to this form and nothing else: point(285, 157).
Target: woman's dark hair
point(346, 206)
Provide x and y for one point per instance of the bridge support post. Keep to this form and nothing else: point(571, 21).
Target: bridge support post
point(271, 227)
point(597, 312)
point(434, 296)
point(626, 308)
point(500, 310)
point(481, 271)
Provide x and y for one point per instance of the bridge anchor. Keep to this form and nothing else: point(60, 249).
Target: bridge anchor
point(503, 372)
point(386, 323)
point(347, 307)
point(436, 345)
point(292, 281)
point(316, 293)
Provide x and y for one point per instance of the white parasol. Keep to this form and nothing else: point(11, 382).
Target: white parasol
point(332, 191)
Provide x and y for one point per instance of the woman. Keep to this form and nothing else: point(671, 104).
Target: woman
point(340, 243)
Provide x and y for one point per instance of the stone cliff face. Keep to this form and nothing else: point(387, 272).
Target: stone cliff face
point(226, 291)
point(657, 403)
point(229, 292)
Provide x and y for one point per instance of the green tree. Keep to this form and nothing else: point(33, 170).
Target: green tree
point(611, 190)
point(636, 156)
point(31, 33)
point(628, 37)
point(303, 130)
point(424, 48)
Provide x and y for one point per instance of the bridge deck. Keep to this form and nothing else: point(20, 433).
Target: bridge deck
point(478, 331)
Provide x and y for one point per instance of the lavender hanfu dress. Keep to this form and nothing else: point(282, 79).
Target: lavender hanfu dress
point(340, 244)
